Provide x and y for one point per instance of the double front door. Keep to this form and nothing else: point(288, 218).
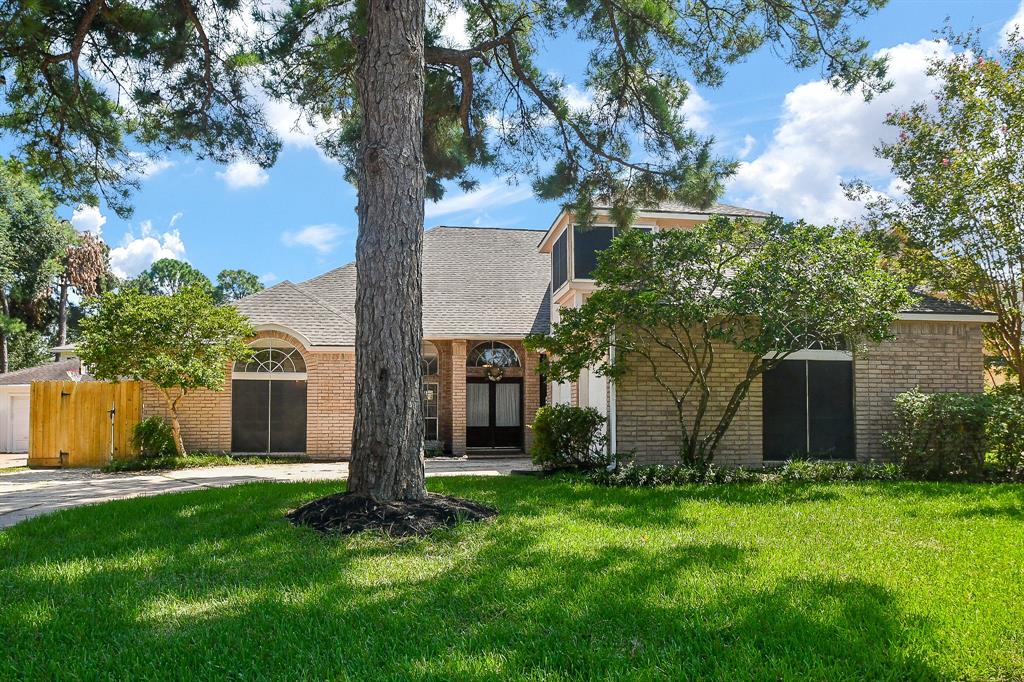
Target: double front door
point(494, 413)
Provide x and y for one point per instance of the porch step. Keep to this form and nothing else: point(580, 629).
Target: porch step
point(496, 454)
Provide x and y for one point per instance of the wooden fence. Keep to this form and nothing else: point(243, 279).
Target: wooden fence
point(82, 424)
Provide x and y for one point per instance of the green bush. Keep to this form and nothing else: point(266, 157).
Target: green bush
point(636, 476)
point(153, 437)
point(941, 436)
point(1006, 432)
point(567, 437)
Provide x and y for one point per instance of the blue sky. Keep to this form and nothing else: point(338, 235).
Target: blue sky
point(795, 136)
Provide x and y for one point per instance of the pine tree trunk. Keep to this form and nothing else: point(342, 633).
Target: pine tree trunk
point(387, 438)
point(62, 314)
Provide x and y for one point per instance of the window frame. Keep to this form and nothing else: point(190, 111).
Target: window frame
point(272, 344)
point(469, 356)
point(615, 233)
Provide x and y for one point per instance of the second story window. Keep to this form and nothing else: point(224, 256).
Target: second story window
point(560, 261)
point(587, 243)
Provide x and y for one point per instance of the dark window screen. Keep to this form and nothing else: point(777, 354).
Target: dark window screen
point(830, 405)
point(784, 410)
point(560, 261)
point(249, 415)
point(587, 243)
point(287, 416)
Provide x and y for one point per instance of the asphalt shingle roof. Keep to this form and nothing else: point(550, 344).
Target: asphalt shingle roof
point(930, 305)
point(48, 371)
point(716, 208)
point(476, 282)
point(302, 311)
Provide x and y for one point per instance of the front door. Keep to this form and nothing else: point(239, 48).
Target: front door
point(494, 413)
point(268, 416)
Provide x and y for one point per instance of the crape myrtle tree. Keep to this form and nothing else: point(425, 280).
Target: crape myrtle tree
point(959, 226)
point(179, 342)
point(404, 111)
point(675, 301)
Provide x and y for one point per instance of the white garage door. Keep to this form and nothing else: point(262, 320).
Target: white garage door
point(19, 423)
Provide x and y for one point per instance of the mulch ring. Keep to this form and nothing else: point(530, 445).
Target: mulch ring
point(345, 513)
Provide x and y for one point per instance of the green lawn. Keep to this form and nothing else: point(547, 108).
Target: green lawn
point(855, 581)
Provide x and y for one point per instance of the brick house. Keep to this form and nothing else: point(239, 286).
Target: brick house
point(484, 291)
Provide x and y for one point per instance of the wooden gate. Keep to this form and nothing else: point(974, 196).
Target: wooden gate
point(82, 424)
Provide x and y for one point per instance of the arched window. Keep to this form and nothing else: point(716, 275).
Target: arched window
point(272, 356)
point(428, 360)
point(492, 354)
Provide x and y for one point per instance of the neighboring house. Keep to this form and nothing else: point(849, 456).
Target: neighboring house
point(484, 290)
point(14, 398)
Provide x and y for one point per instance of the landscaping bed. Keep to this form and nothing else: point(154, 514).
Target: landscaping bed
point(830, 581)
point(194, 461)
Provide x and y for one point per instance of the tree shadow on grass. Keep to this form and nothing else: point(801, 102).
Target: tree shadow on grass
point(202, 584)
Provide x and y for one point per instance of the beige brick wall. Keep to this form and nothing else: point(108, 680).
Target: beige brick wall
point(205, 415)
point(933, 356)
point(646, 418)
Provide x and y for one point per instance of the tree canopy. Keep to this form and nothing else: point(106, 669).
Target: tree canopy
point(90, 82)
point(959, 227)
point(676, 300)
point(32, 242)
point(235, 284)
point(180, 341)
point(168, 276)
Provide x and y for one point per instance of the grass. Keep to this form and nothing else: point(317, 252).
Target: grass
point(193, 461)
point(785, 581)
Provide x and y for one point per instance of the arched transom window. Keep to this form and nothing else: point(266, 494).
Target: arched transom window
point(272, 357)
point(428, 360)
point(492, 354)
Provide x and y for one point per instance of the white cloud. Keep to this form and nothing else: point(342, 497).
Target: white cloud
point(577, 99)
point(268, 278)
point(150, 165)
point(135, 254)
point(827, 136)
point(88, 219)
point(323, 238)
point(1015, 24)
point(243, 173)
point(749, 142)
point(454, 28)
point(696, 109)
point(488, 195)
point(175, 218)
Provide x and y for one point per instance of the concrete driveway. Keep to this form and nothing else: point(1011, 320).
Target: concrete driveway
point(26, 494)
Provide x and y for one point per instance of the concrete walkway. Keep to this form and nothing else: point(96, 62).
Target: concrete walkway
point(26, 494)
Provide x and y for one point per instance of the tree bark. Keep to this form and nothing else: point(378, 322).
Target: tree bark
point(62, 314)
point(172, 408)
point(387, 438)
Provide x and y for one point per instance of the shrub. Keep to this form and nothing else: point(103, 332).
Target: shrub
point(941, 436)
point(636, 476)
point(154, 438)
point(1006, 431)
point(567, 437)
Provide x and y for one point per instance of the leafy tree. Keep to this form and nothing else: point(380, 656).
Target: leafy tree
point(180, 342)
point(959, 228)
point(31, 242)
point(168, 276)
point(404, 112)
point(84, 267)
point(677, 300)
point(235, 284)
